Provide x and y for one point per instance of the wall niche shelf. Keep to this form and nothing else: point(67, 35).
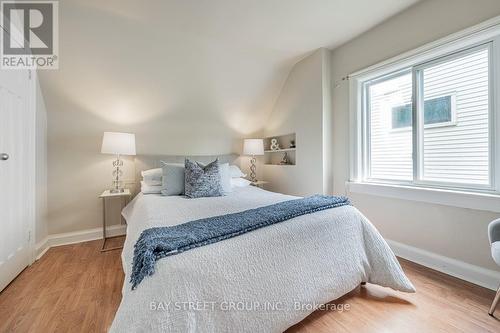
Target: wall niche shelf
point(279, 150)
point(275, 157)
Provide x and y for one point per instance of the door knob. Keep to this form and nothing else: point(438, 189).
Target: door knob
point(4, 157)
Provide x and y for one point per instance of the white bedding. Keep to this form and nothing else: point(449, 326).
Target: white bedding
point(263, 281)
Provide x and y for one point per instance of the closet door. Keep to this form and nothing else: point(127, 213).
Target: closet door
point(16, 173)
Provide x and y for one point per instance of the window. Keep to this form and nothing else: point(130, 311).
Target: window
point(437, 111)
point(390, 152)
point(459, 154)
point(429, 123)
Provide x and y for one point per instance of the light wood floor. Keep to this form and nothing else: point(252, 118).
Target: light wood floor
point(76, 288)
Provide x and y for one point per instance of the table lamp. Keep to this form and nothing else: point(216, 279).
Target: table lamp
point(253, 147)
point(118, 144)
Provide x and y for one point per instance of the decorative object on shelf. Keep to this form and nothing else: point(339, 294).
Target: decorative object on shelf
point(118, 144)
point(285, 160)
point(253, 147)
point(274, 144)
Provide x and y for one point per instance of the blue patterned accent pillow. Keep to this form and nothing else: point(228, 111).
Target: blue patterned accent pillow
point(202, 181)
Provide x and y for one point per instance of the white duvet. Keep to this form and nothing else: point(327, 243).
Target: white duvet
point(263, 281)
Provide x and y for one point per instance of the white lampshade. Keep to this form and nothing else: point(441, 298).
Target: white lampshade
point(118, 143)
point(253, 147)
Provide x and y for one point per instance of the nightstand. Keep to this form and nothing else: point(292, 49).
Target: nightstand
point(259, 183)
point(107, 195)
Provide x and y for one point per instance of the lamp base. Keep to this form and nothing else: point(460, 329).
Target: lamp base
point(253, 168)
point(117, 173)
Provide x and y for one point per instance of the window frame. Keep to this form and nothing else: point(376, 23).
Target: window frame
point(486, 35)
point(366, 119)
point(418, 146)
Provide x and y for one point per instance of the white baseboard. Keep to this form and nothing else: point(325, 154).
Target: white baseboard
point(41, 248)
point(77, 237)
point(478, 275)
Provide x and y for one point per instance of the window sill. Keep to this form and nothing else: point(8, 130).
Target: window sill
point(462, 199)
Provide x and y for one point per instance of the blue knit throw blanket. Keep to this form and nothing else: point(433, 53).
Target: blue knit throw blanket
point(159, 242)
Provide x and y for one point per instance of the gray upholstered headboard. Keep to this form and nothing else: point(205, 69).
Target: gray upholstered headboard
point(145, 162)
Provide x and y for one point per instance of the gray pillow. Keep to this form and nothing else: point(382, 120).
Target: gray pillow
point(202, 181)
point(172, 179)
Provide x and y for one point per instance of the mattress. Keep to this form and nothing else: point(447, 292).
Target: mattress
point(262, 281)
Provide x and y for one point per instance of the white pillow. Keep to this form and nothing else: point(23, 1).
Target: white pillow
point(225, 178)
point(150, 189)
point(240, 182)
point(152, 176)
point(236, 172)
point(152, 181)
point(151, 172)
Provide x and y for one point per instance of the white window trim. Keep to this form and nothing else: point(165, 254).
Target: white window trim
point(488, 199)
point(454, 198)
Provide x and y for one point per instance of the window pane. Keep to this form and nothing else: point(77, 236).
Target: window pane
point(458, 89)
point(401, 116)
point(437, 110)
point(390, 142)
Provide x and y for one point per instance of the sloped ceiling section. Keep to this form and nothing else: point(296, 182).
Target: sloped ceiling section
point(131, 63)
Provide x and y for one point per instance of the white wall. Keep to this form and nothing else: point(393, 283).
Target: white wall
point(448, 231)
point(181, 91)
point(303, 107)
point(78, 172)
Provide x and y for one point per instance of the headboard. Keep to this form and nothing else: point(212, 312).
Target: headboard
point(145, 162)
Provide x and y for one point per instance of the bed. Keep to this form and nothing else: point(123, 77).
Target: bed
point(262, 281)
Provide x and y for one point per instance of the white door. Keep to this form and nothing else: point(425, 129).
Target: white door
point(16, 147)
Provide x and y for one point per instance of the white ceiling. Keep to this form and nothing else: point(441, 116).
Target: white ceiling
point(132, 62)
